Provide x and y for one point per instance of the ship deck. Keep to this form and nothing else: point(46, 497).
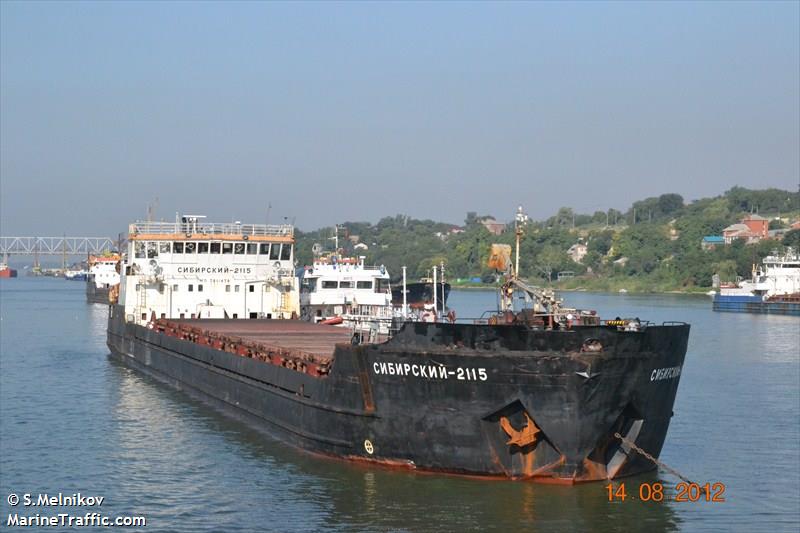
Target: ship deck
point(317, 339)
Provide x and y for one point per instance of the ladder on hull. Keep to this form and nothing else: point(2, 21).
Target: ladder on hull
point(141, 298)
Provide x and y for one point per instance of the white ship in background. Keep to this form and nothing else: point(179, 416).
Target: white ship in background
point(773, 289)
point(779, 275)
point(194, 269)
point(344, 291)
point(103, 276)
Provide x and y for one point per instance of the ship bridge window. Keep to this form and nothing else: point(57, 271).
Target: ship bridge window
point(215, 247)
point(275, 251)
point(163, 247)
point(189, 247)
point(381, 285)
point(264, 248)
point(286, 252)
point(327, 284)
point(252, 248)
point(227, 247)
point(238, 248)
point(177, 247)
point(152, 250)
point(139, 250)
point(202, 247)
point(363, 284)
point(345, 284)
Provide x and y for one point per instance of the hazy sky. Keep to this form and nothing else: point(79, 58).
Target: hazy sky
point(352, 111)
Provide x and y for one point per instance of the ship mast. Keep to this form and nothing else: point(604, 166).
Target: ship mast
point(519, 220)
point(336, 240)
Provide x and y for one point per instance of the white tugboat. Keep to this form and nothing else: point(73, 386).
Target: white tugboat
point(344, 291)
point(194, 269)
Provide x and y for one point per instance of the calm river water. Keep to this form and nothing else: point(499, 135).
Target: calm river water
point(72, 420)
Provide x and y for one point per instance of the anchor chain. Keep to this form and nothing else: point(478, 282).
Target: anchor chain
point(654, 460)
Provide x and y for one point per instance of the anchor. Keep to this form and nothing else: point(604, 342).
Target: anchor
point(522, 437)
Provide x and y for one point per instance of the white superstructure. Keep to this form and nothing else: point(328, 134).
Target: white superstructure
point(345, 288)
point(195, 269)
point(779, 275)
point(103, 271)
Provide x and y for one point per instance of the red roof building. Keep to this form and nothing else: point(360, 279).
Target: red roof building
point(752, 228)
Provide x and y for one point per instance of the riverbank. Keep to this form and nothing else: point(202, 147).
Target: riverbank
point(606, 285)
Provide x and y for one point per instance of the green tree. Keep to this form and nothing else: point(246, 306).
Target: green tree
point(725, 269)
point(792, 238)
point(777, 223)
point(600, 242)
point(669, 204)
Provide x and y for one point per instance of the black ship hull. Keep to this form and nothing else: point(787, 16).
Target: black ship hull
point(95, 294)
point(420, 293)
point(504, 401)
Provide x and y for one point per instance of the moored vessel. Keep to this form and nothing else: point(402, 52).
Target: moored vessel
point(6, 271)
point(76, 275)
point(103, 276)
point(532, 393)
point(344, 291)
point(774, 288)
point(419, 294)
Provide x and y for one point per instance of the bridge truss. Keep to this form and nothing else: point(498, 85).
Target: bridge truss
point(56, 245)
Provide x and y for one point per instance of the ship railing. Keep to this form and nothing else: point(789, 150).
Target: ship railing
point(172, 228)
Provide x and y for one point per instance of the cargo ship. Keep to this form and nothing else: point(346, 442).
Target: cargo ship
point(774, 288)
point(102, 277)
point(537, 393)
point(6, 271)
point(420, 293)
